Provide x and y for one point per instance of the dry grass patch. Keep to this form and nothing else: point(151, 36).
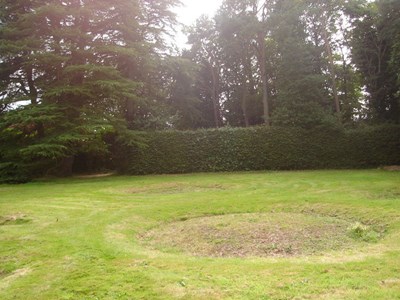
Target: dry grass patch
point(391, 168)
point(253, 235)
point(175, 188)
point(15, 219)
point(6, 281)
point(97, 175)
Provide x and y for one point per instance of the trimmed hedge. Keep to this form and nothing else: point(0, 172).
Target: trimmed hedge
point(260, 148)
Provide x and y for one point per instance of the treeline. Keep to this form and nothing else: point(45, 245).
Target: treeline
point(75, 74)
point(292, 63)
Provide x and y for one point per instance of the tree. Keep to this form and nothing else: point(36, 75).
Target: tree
point(243, 25)
point(301, 96)
point(73, 61)
point(375, 48)
point(205, 51)
point(188, 111)
point(326, 12)
point(240, 72)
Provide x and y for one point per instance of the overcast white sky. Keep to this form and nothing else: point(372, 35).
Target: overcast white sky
point(190, 11)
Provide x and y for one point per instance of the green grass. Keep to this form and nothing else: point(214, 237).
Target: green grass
point(81, 238)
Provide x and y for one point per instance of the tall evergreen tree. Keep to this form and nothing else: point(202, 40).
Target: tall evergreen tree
point(79, 64)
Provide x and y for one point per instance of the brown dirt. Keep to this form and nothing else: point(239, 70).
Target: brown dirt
point(391, 168)
point(99, 175)
point(251, 235)
point(13, 219)
point(174, 188)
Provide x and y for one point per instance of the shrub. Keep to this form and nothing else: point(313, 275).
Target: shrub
point(260, 148)
point(363, 232)
point(13, 173)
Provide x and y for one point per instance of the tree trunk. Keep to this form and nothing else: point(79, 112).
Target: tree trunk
point(33, 94)
point(65, 166)
point(130, 111)
point(215, 98)
point(345, 80)
point(244, 106)
point(263, 68)
point(331, 63)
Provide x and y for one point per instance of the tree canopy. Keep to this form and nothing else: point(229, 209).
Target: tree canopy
point(73, 72)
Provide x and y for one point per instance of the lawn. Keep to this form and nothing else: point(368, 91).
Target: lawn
point(258, 235)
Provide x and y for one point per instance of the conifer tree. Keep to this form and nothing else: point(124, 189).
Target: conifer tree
point(69, 70)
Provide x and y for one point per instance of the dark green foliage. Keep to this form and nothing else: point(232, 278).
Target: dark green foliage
point(13, 173)
point(35, 139)
point(301, 98)
point(241, 38)
point(375, 47)
point(70, 71)
point(185, 106)
point(74, 73)
point(261, 148)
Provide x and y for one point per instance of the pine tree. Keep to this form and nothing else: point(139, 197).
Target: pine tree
point(77, 66)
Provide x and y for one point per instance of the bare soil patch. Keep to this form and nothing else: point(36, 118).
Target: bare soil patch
point(391, 168)
point(175, 188)
point(97, 175)
point(252, 235)
point(15, 219)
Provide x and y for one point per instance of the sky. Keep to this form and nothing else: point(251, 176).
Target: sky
point(190, 11)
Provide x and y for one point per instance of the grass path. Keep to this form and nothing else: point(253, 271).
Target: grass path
point(78, 238)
